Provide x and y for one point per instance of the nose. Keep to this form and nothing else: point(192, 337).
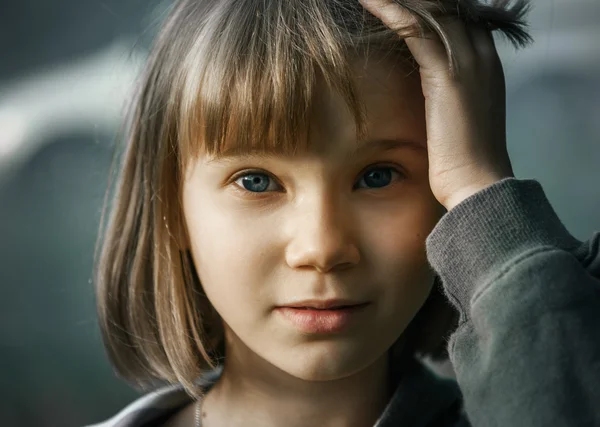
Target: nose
point(321, 237)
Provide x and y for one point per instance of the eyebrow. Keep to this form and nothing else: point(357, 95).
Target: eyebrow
point(387, 144)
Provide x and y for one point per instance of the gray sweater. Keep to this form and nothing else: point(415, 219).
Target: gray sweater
point(527, 349)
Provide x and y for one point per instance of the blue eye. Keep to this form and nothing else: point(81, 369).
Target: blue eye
point(256, 182)
point(376, 178)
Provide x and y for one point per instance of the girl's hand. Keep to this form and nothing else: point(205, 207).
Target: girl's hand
point(465, 110)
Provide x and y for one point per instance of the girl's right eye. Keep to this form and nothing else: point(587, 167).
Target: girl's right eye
point(256, 182)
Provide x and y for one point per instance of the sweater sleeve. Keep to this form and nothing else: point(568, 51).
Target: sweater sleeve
point(527, 348)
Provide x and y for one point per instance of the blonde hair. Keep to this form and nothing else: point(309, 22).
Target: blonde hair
point(231, 75)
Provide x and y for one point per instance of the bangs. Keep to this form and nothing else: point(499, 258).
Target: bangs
point(250, 81)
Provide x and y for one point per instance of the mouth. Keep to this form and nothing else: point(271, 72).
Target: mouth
point(322, 317)
point(324, 304)
point(341, 307)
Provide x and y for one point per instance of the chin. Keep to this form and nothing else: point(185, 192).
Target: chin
point(326, 361)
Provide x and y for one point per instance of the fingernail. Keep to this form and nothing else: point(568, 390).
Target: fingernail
point(370, 3)
point(376, 2)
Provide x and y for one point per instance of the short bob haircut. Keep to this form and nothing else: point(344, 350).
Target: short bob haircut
point(235, 75)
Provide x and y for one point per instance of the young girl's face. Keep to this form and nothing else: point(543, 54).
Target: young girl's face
point(344, 221)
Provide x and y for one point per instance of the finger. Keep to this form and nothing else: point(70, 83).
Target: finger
point(483, 43)
point(460, 44)
point(429, 52)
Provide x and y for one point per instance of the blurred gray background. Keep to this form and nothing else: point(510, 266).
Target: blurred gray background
point(66, 69)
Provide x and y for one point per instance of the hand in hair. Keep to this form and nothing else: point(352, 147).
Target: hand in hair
point(464, 99)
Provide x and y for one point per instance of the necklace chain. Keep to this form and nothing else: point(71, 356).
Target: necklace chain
point(197, 414)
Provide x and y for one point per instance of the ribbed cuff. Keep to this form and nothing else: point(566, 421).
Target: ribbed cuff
point(485, 232)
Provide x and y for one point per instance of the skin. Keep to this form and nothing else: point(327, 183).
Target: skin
point(465, 111)
point(320, 231)
point(295, 243)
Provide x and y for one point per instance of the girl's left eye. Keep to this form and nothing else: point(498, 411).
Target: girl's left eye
point(377, 178)
point(257, 182)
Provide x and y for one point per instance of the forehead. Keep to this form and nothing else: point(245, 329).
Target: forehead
point(389, 80)
point(389, 90)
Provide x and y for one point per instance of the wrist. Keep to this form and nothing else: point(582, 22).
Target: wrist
point(469, 190)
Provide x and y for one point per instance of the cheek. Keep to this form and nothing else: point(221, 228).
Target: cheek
point(228, 245)
point(396, 252)
point(398, 234)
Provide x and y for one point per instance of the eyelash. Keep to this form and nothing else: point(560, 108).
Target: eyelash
point(248, 172)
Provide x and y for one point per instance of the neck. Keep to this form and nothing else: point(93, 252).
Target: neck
point(262, 395)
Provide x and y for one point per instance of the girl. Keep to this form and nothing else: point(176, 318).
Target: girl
point(291, 189)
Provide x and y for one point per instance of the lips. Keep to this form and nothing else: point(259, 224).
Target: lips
point(322, 317)
point(316, 308)
point(331, 304)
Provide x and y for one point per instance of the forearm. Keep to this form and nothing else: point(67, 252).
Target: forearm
point(525, 352)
